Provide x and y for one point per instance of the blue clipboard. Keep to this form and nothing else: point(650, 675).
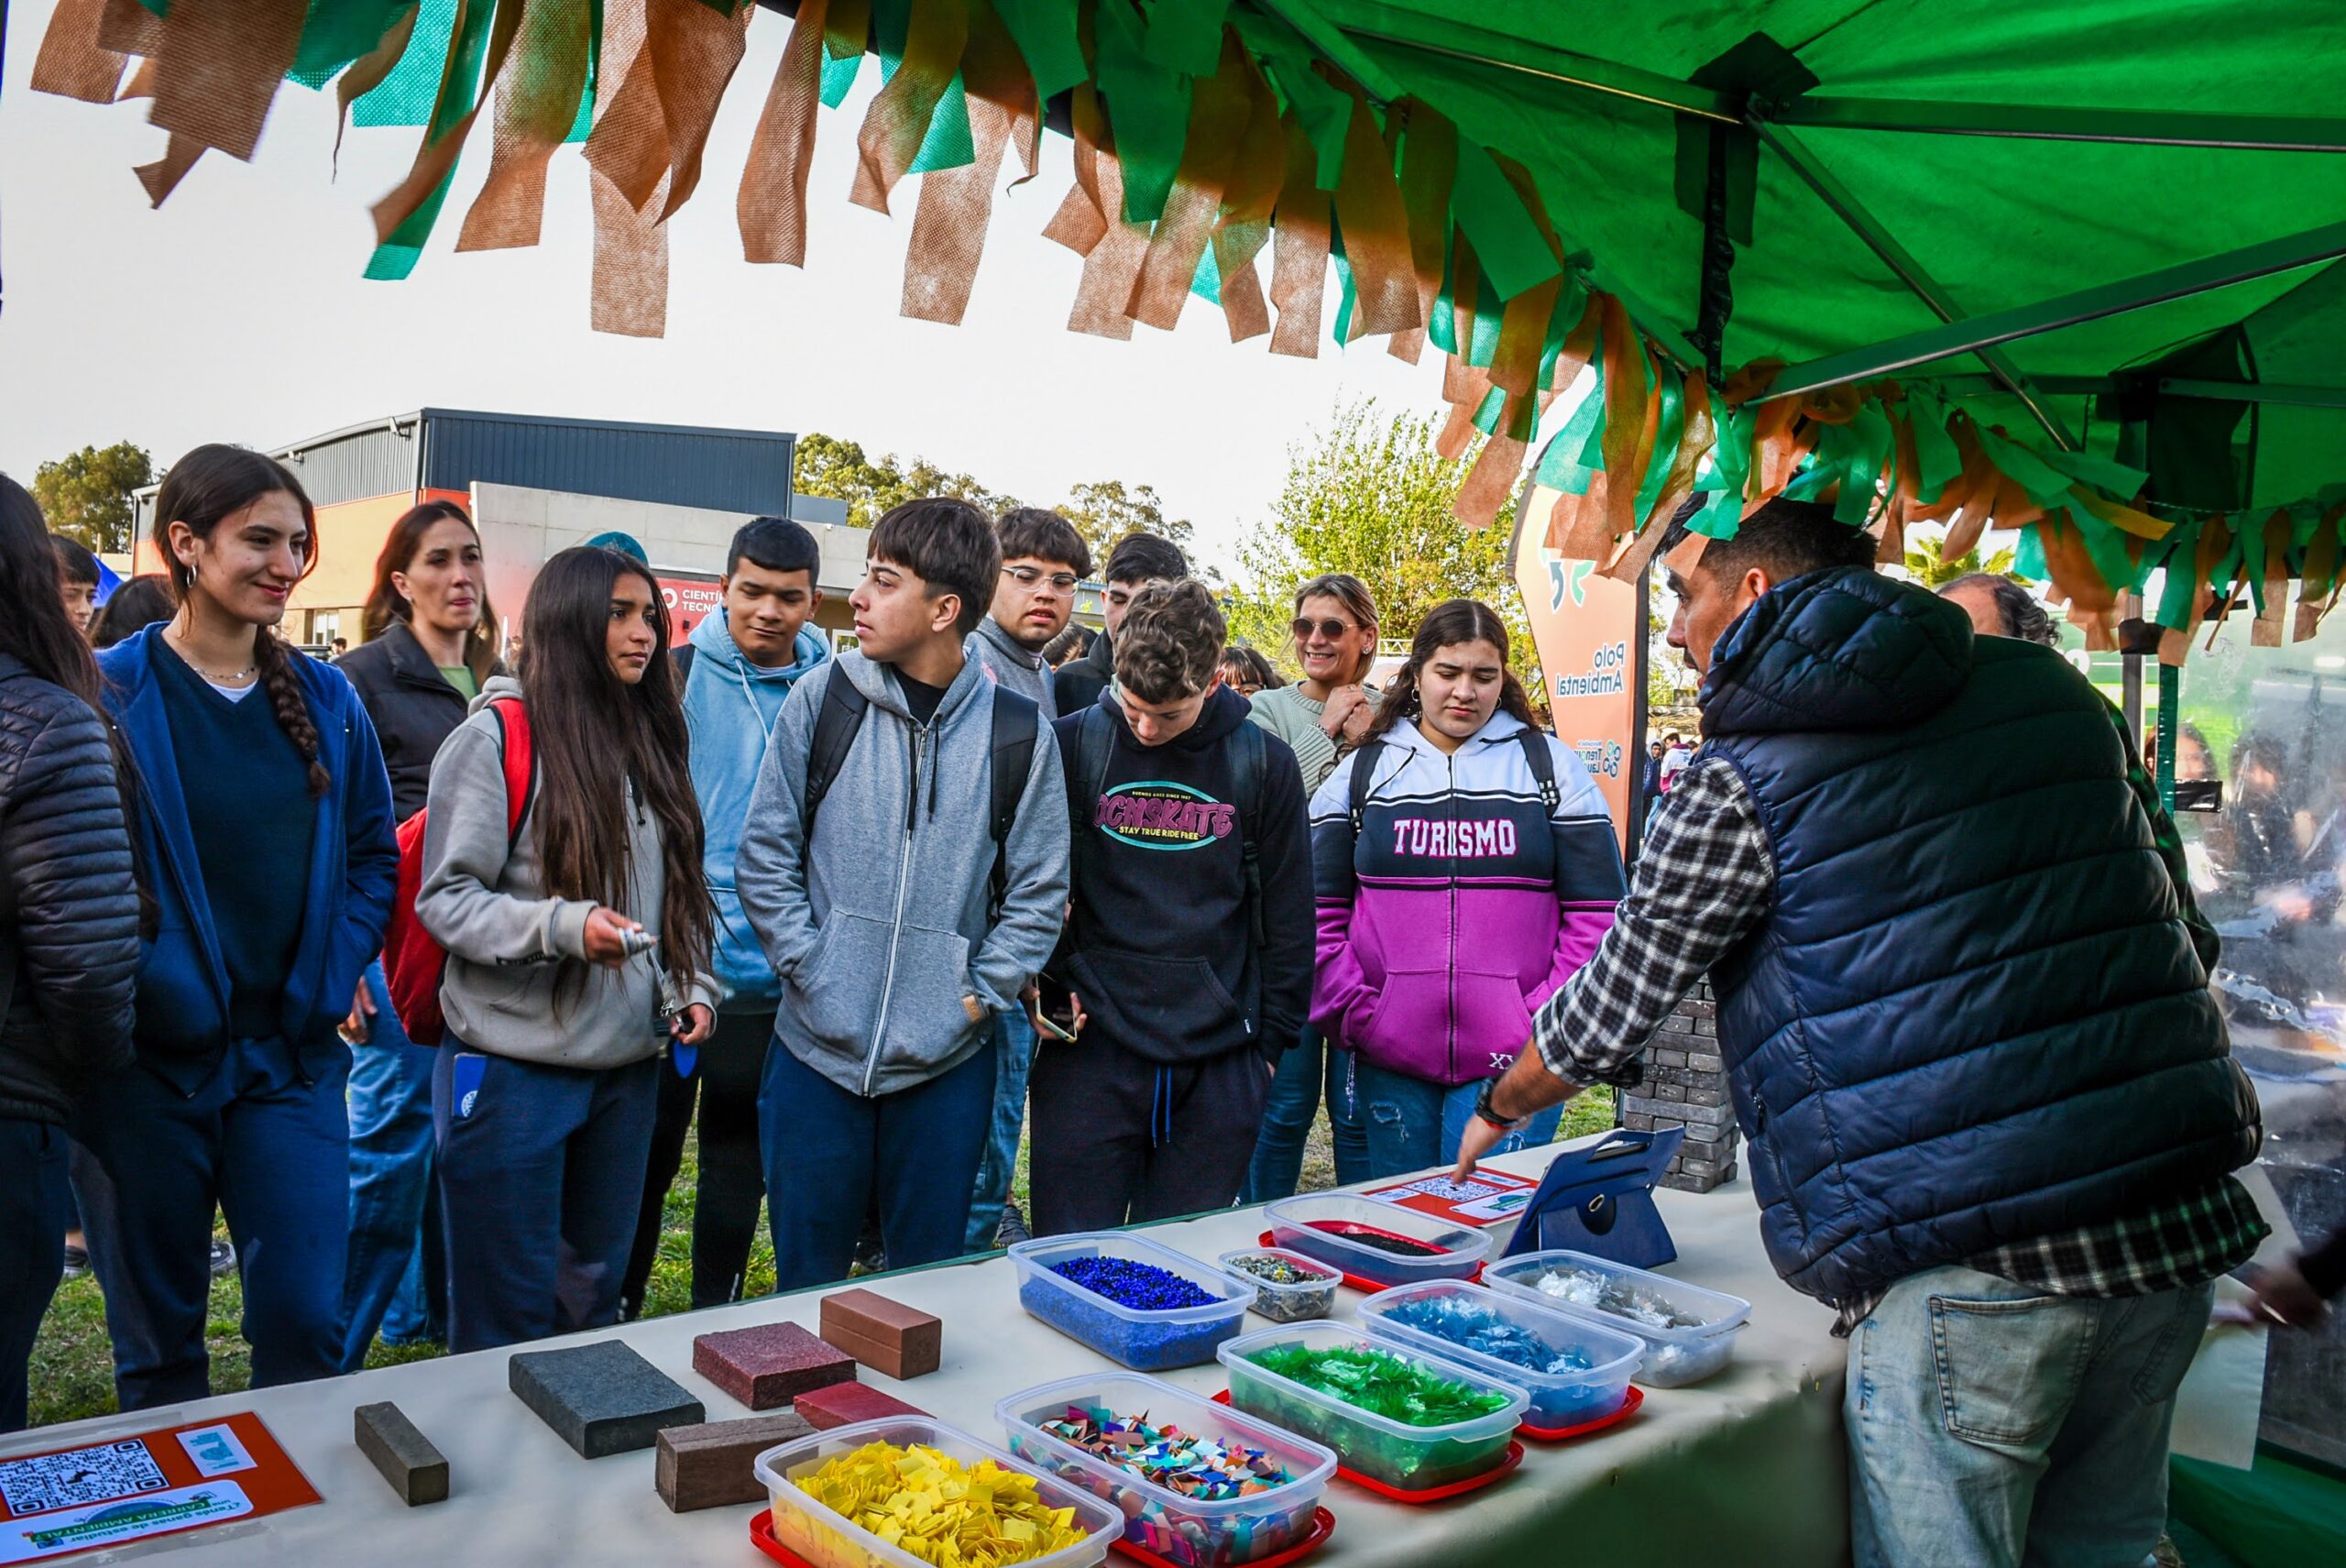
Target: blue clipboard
point(1600, 1201)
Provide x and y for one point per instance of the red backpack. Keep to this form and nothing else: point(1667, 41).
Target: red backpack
point(412, 958)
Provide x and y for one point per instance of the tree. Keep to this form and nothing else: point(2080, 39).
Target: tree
point(89, 495)
point(1106, 510)
point(1923, 561)
point(1370, 496)
point(825, 466)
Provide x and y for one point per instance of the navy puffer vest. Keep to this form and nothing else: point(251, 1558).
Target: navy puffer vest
point(1972, 1013)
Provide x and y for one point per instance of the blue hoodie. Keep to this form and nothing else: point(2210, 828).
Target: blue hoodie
point(730, 706)
point(345, 897)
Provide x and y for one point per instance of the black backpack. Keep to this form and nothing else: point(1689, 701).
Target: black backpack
point(1096, 745)
point(1016, 720)
point(1535, 751)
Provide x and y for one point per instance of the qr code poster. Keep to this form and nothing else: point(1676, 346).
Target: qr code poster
point(66, 1500)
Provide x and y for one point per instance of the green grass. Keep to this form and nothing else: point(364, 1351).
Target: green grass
point(73, 1367)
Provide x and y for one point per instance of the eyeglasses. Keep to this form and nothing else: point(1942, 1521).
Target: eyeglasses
point(1303, 627)
point(1028, 576)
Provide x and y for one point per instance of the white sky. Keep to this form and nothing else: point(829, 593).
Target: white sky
point(238, 313)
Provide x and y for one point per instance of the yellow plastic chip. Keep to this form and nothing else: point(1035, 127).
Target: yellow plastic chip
point(925, 1503)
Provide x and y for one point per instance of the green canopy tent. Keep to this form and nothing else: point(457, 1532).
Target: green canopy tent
point(2059, 267)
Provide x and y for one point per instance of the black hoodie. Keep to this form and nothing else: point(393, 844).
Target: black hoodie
point(1160, 946)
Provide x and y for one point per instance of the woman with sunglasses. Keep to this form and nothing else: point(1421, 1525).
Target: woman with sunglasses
point(1321, 717)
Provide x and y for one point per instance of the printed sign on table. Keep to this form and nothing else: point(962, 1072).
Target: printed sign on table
point(1484, 1199)
point(157, 1482)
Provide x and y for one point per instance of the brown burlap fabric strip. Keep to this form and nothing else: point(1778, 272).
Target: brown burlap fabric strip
point(1113, 265)
point(141, 83)
point(1081, 221)
point(128, 28)
point(897, 122)
point(2265, 632)
point(1375, 227)
point(217, 69)
point(536, 101)
point(1220, 108)
point(367, 72)
point(72, 62)
point(631, 271)
point(1302, 230)
point(1464, 388)
point(628, 145)
point(1429, 167)
point(772, 206)
point(2318, 591)
point(436, 157)
point(1257, 169)
point(1490, 481)
point(955, 206)
point(695, 51)
point(163, 176)
point(630, 289)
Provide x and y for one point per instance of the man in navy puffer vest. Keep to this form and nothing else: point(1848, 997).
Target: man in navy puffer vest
point(1964, 1006)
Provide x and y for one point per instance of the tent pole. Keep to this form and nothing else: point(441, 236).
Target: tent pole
point(1459, 40)
point(1854, 213)
point(2041, 122)
point(1969, 336)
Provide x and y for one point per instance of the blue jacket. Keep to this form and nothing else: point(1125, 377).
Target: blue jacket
point(1974, 1011)
point(182, 1027)
point(730, 706)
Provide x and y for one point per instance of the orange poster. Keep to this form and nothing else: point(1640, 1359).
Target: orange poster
point(1588, 630)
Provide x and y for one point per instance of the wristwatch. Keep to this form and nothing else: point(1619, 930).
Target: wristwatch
point(1483, 1109)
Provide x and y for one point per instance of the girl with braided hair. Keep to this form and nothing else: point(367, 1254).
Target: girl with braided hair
point(265, 815)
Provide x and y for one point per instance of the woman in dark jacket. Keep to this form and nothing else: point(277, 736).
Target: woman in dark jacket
point(430, 643)
point(68, 922)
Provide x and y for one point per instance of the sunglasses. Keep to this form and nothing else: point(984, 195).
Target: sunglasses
point(1303, 627)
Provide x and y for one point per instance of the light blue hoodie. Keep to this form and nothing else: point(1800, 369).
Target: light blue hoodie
point(730, 706)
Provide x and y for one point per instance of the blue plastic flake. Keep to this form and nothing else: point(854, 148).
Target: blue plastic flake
point(1072, 1303)
point(1471, 1326)
point(1140, 1286)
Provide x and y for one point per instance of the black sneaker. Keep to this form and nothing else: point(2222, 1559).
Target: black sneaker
point(1012, 1228)
point(223, 1259)
point(77, 1262)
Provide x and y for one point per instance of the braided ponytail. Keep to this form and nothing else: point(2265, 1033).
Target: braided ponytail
point(282, 684)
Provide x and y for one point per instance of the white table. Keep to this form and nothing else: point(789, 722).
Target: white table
point(1746, 1468)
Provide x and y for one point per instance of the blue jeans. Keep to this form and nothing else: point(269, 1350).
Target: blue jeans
point(1013, 1043)
point(830, 1154)
point(1990, 1424)
point(33, 1204)
point(1294, 1105)
point(1414, 1122)
point(270, 1151)
point(541, 1174)
point(396, 1279)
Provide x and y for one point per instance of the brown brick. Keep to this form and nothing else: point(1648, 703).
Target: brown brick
point(709, 1465)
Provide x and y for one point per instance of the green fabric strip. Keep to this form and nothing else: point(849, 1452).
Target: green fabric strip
point(406, 96)
point(1668, 428)
point(1506, 242)
point(1324, 109)
point(1148, 110)
point(396, 256)
point(2175, 598)
point(1186, 35)
point(336, 32)
point(1044, 33)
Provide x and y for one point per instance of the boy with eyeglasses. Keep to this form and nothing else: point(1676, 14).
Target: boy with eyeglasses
point(1043, 558)
point(1138, 560)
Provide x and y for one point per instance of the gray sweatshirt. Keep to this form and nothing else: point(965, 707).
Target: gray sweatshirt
point(507, 941)
point(879, 928)
point(1008, 662)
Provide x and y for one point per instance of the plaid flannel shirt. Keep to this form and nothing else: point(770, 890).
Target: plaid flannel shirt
point(1704, 878)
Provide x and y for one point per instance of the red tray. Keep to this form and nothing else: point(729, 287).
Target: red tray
point(1628, 1408)
point(1495, 1474)
point(762, 1537)
point(1371, 1287)
point(1323, 1525)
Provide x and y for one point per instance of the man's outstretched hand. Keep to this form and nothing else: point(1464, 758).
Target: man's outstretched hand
point(1479, 1138)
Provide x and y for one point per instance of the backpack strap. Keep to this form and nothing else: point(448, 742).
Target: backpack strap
point(1016, 721)
point(521, 763)
point(1364, 780)
point(1543, 768)
point(680, 659)
point(835, 726)
point(1087, 761)
point(1253, 773)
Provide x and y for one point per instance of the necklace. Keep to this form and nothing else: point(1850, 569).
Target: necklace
point(178, 643)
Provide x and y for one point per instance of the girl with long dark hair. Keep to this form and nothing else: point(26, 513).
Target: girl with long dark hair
point(431, 643)
point(265, 820)
point(571, 934)
point(1465, 867)
point(68, 922)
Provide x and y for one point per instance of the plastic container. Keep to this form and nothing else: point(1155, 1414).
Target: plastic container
point(1144, 1340)
point(1405, 1458)
point(822, 1538)
point(1297, 1224)
point(1188, 1531)
point(1558, 1400)
point(1315, 1298)
point(1674, 1357)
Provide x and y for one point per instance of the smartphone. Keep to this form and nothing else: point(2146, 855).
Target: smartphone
point(1044, 1025)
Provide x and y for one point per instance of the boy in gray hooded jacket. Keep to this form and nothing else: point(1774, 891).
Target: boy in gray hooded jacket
point(883, 922)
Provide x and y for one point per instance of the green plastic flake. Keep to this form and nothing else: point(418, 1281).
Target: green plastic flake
point(1381, 1383)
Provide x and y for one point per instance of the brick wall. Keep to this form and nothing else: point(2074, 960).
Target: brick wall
point(1685, 1087)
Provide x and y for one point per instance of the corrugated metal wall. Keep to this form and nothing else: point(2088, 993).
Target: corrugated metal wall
point(358, 464)
point(725, 470)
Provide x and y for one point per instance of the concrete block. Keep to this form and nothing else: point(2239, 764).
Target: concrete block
point(767, 1365)
point(601, 1397)
point(709, 1465)
point(405, 1456)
